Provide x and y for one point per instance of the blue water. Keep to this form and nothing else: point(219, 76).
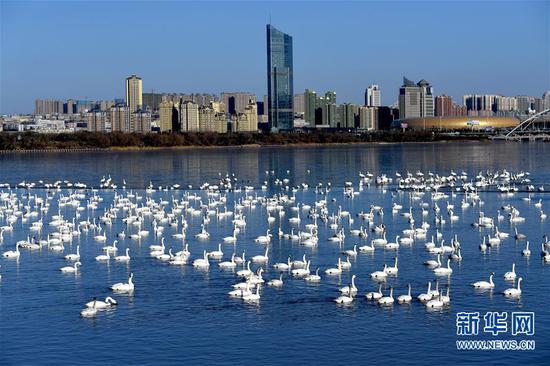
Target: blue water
point(182, 315)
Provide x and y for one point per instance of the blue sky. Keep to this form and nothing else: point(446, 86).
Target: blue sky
point(83, 49)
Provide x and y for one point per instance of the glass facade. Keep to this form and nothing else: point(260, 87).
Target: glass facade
point(280, 84)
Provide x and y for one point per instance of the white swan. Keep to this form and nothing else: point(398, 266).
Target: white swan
point(281, 266)
point(374, 295)
point(512, 274)
point(345, 299)
point(392, 270)
point(514, 292)
point(380, 275)
point(387, 300)
point(485, 284)
point(124, 287)
point(276, 282)
point(228, 264)
point(216, 254)
point(12, 253)
point(102, 257)
point(402, 299)
point(444, 271)
point(346, 289)
point(253, 296)
point(202, 262)
point(70, 269)
point(109, 301)
point(313, 277)
point(526, 252)
point(74, 257)
point(335, 271)
point(123, 258)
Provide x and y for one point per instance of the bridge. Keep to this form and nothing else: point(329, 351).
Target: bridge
point(532, 129)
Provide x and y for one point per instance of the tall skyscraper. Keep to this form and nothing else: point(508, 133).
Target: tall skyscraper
point(280, 84)
point(310, 104)
point(236, 102)
point(189, 117)
point(134, 96)
point(372, 96)
point(299, 104)
point(416, 100)
point(546, 99)
point(443, 106)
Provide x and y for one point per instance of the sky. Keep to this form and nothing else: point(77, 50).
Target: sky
point(85, 49)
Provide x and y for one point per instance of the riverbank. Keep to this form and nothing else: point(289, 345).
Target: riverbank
point(91, 141)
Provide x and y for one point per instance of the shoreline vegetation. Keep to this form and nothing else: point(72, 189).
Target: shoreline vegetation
point(119, 141)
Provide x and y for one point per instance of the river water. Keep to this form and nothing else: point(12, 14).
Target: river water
point(182, 315)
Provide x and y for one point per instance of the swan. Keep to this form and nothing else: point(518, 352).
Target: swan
point(351, 252)
point(216, 254)
point(301, 272)
point(512, 274)
point(444, 271)
point(380, 274)
point(485, 284)
point(70, 269)
point(426, 296)
point(228, 264)
point(346, 289)
point(276, 282)
point(202, 262)
point(74, 257)
point(345, 299)
point(89, 312)
point(386, 300)
point(335, 271)
point(374, 295)
point(260, 258)
point(313, 278)
point(281, 266)
point(263, 239)
point(12, 253)
point(241, 259)
point(402, 299)
point(519, 236)
point(111, 248)
point(392, 270)
point(203, 234)
point(124, 287)
point(392, 246)
point(109, 301)
point(300, 263)
point(367, 248)
point(380, 241)
point(435, 303)
point(346, 264)
point(240, 292)
point(245, 272)
point(526, 252)
point(433, 263)
point(253, 296)
point(446, 298)
point(123, 258)
point(483, 245)
point(232, 238)
point(514, 292)
point(156, 247)
point(102, 257)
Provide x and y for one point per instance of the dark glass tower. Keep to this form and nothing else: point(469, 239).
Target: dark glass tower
point(280, 84)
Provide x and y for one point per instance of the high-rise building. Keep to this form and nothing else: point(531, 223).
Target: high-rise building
point(368, 118)
point(236, 102)
point(96, 121)
point(310, 104)
point(140, 122)
point(299, 104)
point(168, 113)
point(46, 107)
point(524, 103)
point(480, 102)
point(248, 120)
point(546, 99)
point(372, 96)
point(152, 100)
point(416, 100)
point(69, 107)
point(280, 81)
point(211, 119)
point(119, 118)
point(443, 106)
point(346, 116)
point(538, 104)
point(134, 96)
point(189, 117)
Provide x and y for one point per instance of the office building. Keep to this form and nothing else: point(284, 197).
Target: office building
point(189, 117)
point(416, 100)
point(524, 103)
point(546, 99)
point(372, 96)
point(310, 104)
point(280, 84)
point(134, 96)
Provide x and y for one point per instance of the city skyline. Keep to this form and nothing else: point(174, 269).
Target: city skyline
point(80, 71)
